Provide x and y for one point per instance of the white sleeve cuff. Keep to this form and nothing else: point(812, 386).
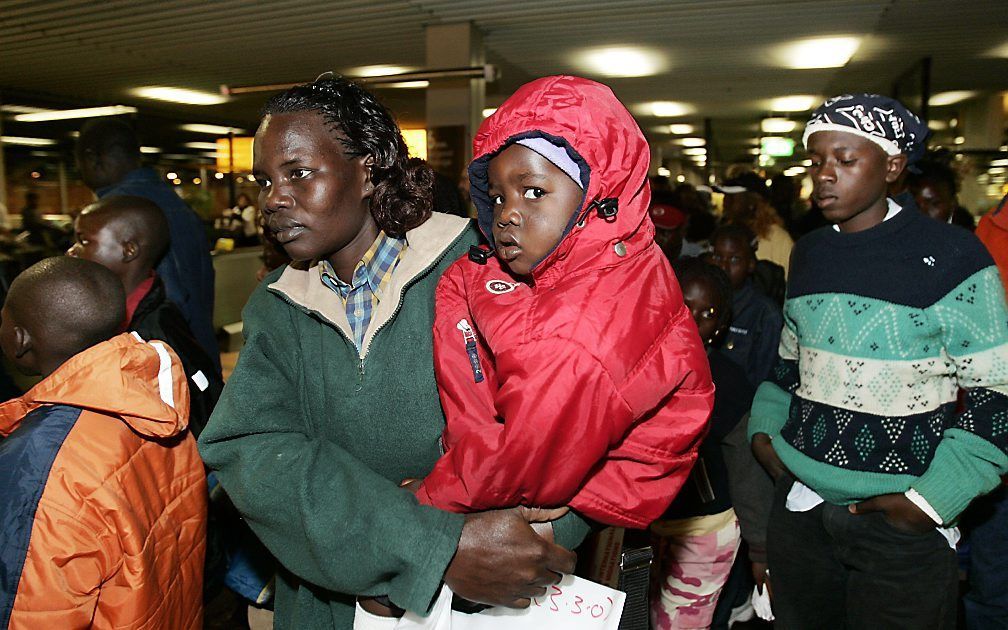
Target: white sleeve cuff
point(922, 503)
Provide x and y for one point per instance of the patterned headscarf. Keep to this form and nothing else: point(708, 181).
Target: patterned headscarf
point(883, 120)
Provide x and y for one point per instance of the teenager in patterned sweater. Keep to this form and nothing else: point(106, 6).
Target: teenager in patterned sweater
point(888, 314)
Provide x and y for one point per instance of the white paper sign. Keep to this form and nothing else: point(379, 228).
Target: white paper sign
point(573, 604)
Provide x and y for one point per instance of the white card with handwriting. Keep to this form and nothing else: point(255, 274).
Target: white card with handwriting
point(573, 604)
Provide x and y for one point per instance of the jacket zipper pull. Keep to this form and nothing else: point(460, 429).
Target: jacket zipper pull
point(470, 345)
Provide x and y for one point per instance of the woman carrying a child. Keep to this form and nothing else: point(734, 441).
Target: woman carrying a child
point(333, 401)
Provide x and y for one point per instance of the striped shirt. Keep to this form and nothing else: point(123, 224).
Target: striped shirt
point(363, 293)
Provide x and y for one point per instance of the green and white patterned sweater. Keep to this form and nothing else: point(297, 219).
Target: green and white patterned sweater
point(882, 328)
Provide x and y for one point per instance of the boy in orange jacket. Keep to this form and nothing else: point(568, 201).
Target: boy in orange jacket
point(102, 493)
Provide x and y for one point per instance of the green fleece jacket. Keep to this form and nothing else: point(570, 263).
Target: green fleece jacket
point(311, 438)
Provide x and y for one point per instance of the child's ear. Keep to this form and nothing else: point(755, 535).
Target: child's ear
point(894, 166)
point(130, 250)
point(23, 343)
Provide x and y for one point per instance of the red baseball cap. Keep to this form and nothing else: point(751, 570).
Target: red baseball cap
point(667, 217)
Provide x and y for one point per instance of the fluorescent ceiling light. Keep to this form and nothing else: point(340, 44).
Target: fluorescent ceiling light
point(937, 125)
point(754, 151)
point(680, 129)
point(204, 146)
point(818, 52)
point(775, 146)
point(999, 162)
point(999, 51)
point(794, 171)
point(378, 70)
point(941, 98)
point(27, 142)
point(797, 103)
point(488, 112)
point(694, 151)
point(997, 170)
point(664, 109)
point(777, 125)
point(404, 84)
point(664, 172)
point(179, 95)
point(66, 114)
point(621, 61)
point(22, 109)
point(150, 150)
point(690, 142)
point(215, 130)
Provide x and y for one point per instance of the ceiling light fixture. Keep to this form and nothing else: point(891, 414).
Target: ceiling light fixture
point(27, 142)
point(488, 112)
point(179, 95)
point(950, 98)
point(663, 172)
point(203, 146)
point(66, 114)
point(665, 109)
point(777, 125)
point(621, 61)
point(22, 109)
point(818, 52)
point(694, 151)
point(377, 70)
point(150, 150)
point(680, 129)
point(407, 85)
point(690, 142)
point(797, 103)
point(214, 130)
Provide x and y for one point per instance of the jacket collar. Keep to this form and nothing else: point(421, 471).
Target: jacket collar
point(427, 245)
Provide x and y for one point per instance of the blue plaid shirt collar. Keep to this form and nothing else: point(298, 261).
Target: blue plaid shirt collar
point(371, 272)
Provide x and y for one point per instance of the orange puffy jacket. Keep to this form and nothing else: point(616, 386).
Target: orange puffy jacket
point(102, 495)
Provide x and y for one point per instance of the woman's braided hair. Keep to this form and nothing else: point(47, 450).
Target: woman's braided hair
point(402, 198)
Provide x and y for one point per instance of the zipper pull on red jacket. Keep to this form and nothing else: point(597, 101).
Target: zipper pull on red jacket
point(470, 345)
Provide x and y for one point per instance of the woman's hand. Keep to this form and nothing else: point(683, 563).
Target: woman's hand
point(501, 561)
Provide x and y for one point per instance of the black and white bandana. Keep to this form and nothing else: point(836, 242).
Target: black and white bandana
point(883, 120)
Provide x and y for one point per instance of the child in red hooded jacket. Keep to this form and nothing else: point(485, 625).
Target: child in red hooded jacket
point(570, 371)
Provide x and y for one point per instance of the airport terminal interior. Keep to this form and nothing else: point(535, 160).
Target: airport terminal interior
point(724, 97)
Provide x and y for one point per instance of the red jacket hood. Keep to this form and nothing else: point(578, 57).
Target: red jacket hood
point(141, 383)
point(602, 137)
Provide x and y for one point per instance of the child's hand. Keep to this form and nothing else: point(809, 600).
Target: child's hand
point(763, 451)
point(899, 511)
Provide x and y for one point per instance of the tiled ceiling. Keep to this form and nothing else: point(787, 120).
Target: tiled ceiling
point(718, 51)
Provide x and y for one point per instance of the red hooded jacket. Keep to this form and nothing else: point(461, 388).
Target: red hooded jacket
point(595, 388)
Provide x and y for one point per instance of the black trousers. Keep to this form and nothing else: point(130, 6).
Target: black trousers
point(833, 569)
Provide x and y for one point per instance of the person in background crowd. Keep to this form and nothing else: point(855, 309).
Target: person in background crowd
point(128, 236)
point(993, 233)
point(243, 221)
point(700, 221)
point(333, 401)
point(448, 198)
point(746, 203)
point(934, 188)
point(697, 538)
point(670, 226)
point(888, 314)
point(756, 322)
point(108, 156)
point(104, 499)
point(986, 521)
